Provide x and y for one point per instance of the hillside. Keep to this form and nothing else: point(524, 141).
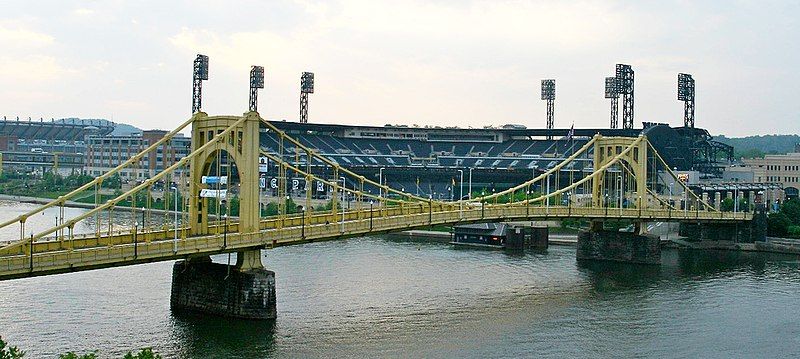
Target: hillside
point(757, 146)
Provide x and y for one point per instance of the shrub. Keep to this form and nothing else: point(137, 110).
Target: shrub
point(793, 231)
point(8, 352)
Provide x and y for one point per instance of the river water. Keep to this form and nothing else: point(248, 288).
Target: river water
point(391, 297)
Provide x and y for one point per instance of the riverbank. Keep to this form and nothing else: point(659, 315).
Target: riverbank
point(70, 204)
point(772, 245)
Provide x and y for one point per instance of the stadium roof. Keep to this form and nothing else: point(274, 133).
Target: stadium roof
point(68, 130)
point(537, 132)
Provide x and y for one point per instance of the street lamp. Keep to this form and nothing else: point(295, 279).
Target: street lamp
point(344, 186)
point(225, 218)
point(380, 181)
point(670, 193)
point(370, 215)
point(461, 194)
point(175, 240)
point(470, 183)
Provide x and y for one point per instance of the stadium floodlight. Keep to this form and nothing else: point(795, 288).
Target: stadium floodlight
point(612, 92)
point(686, 94)
point(306, 87)
point(307, 82)
point(549, 95)
point(256, 82)
point(625, 78)
point(548, 89)
point(199, 74)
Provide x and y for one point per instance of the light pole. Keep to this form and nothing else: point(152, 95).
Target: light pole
point(370, 215)
point(144, 228)
point(225, 232)
point(461, 194)
point(670, 192)
point(470, 183)
point(344, 185)
point(619, 193)
point(685, 202)
point(380, 181)
point(175, 240)
point(547, 201)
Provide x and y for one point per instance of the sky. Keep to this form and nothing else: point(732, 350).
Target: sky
point(438, 63)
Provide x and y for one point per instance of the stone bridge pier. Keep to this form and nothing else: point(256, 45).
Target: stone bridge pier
point(632, 247)
point(245, 290)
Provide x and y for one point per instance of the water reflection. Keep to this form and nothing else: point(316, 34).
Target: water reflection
point(198, 336)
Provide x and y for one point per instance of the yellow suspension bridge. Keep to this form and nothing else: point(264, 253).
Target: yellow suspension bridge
point(628, 165)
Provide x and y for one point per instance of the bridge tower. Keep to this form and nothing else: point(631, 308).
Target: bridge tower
point(245, 290)
point(633, 159)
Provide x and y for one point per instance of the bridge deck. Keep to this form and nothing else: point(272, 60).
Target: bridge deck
point(120, 249)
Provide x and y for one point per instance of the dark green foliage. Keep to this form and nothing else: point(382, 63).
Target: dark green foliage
point(778, 224)
point(112, 182)
point(791, 209)
point(793, 231)
point(71, 355)
point(786, 222)
point(727, 205)
point(9, 352)
point(757, 146)
point(146, 353)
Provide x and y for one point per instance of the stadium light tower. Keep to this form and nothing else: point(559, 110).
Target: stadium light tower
point(624, 75)
point(686, 94)
point(199, 74)
point(612, 92)
point(549, 95)
point(306, 87)
point(256, 82)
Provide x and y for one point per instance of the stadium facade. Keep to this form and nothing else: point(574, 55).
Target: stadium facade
point(429, 161)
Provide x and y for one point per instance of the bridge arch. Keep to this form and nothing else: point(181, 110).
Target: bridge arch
point(631, 155)
point(241, 147)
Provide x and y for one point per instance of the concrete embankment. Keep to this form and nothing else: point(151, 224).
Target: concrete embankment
point(772, 245)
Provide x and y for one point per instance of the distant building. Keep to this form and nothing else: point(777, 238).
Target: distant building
point(107, 152)
point(783, 169)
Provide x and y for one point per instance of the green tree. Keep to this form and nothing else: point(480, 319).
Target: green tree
point(791, 209)
point(112, 182)
point(778, 224)
point(146, 353)
point(9, 352)
point(726, 205)
point(72, 355)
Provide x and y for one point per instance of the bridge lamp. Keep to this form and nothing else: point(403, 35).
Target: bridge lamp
point(306, 87)
point(199, 74)
point(256, 82)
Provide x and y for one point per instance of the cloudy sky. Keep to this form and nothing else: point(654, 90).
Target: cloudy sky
point(441, 63)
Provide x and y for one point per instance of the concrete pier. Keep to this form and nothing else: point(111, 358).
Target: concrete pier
point(218, 289)
point(598, 244)
point(741, 232)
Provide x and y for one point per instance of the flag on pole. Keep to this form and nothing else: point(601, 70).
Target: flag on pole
point(571, 133)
